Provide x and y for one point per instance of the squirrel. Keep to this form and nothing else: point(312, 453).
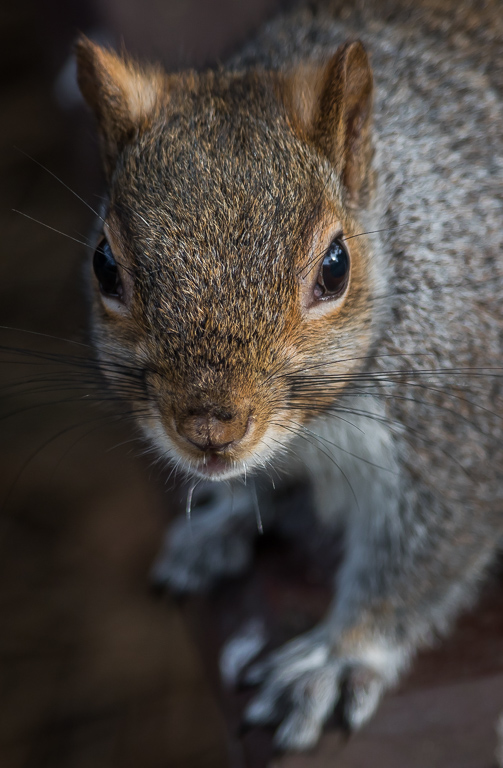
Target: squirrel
point(300, 266)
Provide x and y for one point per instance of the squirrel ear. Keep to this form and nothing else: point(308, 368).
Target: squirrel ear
point(122, 95)
point(333, 105)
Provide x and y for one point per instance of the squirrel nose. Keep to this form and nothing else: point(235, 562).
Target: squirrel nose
point(213, 431)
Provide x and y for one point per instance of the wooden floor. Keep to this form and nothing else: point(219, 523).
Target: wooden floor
point(96, 672)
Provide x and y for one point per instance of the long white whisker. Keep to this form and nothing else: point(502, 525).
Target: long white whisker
point(260, 527)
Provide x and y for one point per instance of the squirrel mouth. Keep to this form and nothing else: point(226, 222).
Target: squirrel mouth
point(214, 464)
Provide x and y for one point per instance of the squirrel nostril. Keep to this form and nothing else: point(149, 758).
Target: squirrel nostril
point(207, 445)
point(210, 432)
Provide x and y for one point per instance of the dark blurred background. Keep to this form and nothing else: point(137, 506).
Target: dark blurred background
point(95, 672)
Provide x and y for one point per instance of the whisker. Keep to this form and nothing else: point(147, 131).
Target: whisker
point(188, 506)
point(376, 231)
point(58, 179)
point(328, 456)
point(45, 335)
point(69, 448)
point(258, 517)
point(403, 429)
point(344, 450)
point(37, 451)
point(53, 229)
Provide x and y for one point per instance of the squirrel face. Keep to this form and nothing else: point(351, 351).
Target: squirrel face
point(230, 280)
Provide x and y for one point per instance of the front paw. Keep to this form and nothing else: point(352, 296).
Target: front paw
point(216, 542)
point(302, 682)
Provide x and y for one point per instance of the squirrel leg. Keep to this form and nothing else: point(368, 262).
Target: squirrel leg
point(406, 574)
point(216, 541)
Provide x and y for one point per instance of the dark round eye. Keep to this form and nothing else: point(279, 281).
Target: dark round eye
point(334, 271)
point(105, 269)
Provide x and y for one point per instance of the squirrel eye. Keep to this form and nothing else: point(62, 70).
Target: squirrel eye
point(334, 271)
point(105, 269)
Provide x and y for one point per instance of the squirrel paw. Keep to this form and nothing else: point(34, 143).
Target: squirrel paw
point(302, 682)
point(214, 543)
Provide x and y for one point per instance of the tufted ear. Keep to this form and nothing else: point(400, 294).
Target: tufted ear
point(332, 106)
point(122, 95)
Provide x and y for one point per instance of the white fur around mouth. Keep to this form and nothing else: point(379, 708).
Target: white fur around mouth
point(217, 468)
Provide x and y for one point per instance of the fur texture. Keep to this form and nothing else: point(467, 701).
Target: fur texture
point(224, 197)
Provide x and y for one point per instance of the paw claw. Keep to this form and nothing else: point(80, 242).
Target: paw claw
point(297, 733)
point(302, 683)
point(240, 649)
point(362, 691)
point(255, 674)
point(265, 708)
point(260, 712)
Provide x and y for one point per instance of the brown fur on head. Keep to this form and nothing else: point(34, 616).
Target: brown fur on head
point(225, 191)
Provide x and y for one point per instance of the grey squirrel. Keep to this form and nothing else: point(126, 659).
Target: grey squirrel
point(301, 264)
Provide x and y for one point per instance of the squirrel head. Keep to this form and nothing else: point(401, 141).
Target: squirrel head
point(233, 296)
